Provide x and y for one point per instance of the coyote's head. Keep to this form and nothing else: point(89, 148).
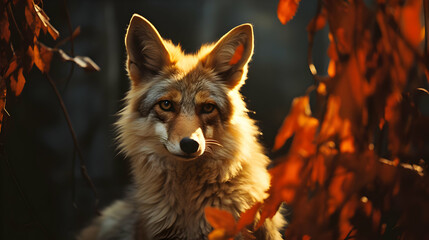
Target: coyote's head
point(182, 105)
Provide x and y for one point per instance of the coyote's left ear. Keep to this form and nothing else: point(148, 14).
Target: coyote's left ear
point(231, 54)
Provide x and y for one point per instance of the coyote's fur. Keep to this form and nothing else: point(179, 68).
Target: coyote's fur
point(191, 143)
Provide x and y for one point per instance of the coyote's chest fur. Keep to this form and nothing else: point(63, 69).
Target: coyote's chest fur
point(187, 134)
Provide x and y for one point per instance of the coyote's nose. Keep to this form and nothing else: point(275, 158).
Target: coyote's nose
point(189, 145)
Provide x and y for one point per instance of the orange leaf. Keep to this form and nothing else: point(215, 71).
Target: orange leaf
point(331, 68)
point(411, 25)
point(221, 219)
point(317, 24)
point(248, 217)
point(286, 10)
point(318, 173)
point(219, 234)
point(300, 106)
point(42, 57)
point(12, 67)
point(17, 84)
point(45, 20)
point(4, 27)
point(339, 188)
point(34, 23)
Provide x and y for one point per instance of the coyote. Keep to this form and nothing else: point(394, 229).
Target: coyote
point(191, 143)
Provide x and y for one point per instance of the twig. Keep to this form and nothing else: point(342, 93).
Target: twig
point(349, 235)
point(12, 16)
point(73, 180)
point(71, 45)
point(311, 33)
point(83, 168)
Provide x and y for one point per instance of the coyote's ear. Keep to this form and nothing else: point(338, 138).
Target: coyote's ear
point(146, 52)
point(231, 54)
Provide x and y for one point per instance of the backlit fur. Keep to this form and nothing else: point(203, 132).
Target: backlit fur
point(171, 188)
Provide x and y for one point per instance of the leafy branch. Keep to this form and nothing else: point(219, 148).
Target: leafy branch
point(337, 177)
point(21, 49)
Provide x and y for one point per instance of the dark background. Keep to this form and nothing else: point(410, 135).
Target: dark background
point(36, 146)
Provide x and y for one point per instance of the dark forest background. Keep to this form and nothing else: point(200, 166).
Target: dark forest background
point(35, 139)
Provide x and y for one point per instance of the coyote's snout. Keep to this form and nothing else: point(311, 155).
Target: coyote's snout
point(190, 141)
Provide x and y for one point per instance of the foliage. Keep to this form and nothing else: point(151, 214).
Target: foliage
point(21, 23)
point(357, 163)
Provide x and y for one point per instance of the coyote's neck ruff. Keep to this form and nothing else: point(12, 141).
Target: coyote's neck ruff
point(186, 131)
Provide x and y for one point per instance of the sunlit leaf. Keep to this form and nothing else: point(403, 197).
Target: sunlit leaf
point(45, 20)
point(317, 23)
point(286, 10)
point(248, 217)
point(222, 221)
point(83, 62)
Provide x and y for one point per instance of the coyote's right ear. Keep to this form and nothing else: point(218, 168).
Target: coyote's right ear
point(146, 52)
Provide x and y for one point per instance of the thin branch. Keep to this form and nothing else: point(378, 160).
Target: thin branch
point(83, 168)
point(311, 33)
point(349, 235)
point(73, 179)
point(71, 44)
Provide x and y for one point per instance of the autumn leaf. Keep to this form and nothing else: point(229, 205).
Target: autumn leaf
point(13, 65)
point(223, 223)
point(45, 20)
point(17, 84)
point(286, 10)
point(4, 26)
point(248, 217)
point(317, 23)
point(298, 117)
point(42, 57)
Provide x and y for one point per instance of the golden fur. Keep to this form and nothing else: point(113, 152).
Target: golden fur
point(174, 96)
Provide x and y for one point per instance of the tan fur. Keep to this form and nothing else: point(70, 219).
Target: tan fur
point(171, 187)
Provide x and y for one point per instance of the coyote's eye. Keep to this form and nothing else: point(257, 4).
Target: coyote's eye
point(208, 108)
point(166, 105)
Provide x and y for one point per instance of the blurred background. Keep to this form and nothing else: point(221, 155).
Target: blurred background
point(53, 200)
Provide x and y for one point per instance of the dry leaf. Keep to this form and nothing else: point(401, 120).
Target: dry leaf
point(45, 20)
point(83, 62)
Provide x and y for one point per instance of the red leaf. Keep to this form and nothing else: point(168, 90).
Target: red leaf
point(286, 10)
